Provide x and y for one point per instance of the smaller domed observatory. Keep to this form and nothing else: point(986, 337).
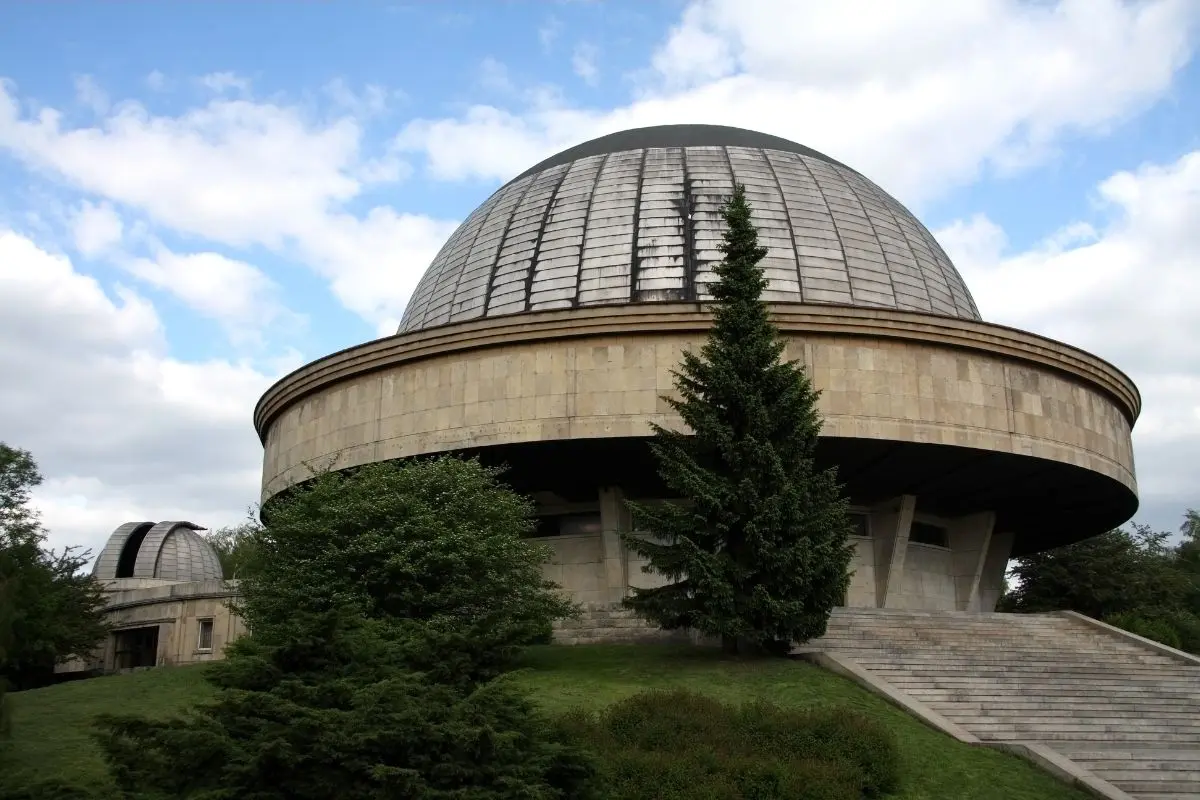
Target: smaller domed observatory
point(167, 597)
point(546, 329)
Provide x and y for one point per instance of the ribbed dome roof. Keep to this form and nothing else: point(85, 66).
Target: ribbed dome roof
point(635, 217)
point(171, 551)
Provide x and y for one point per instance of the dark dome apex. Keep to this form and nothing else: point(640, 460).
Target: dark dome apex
point(634, 217)
point(676, 136)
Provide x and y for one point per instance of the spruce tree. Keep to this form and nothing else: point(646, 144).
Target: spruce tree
point(756, 544)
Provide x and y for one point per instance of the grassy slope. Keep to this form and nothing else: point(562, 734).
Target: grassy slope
point(50, 730)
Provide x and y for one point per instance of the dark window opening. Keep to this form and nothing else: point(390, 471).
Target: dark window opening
point(568, 524)
point(926, 533)
point(137, 647)
point(205, 640)
point(128, 557)
point(859, 525)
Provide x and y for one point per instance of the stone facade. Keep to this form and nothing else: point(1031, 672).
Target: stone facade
point(159, 623)
point(885, 376)
point(970, 384)
point(965, 573)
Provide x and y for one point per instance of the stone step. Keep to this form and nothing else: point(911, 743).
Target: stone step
point(998, 663)
point(1102, 737)
point(1099, 738)
point(1113, 723)
point(935, 695)
point(1020, 642)
point(1173, 789)
point(1146, 770)
point(1049, 679)
point(1060, 705)
point(1077, 711)
point(1035, 688)
point(1021, 645)
point(1017, 639)
point(1085, 751)
point(1128, 713)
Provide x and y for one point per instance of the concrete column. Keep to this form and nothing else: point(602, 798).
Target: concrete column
point(166, 632)
point(614, 519)
point(995, 564)
point(970, 538)
point(890, 527)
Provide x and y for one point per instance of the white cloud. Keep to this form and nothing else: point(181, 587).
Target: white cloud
point(232, 292)
point(222, 82)
point(583, 62)
point(920, 96)
point(96, 228)
point(373, 263)
point(121, 429)
point(243, 173)
point(89, 93)
point(548, 33)
point(1126, 290)
point(371, 101)
point(156, 81)
point(494, 76)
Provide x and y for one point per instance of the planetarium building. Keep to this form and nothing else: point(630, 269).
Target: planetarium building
point(545, 332)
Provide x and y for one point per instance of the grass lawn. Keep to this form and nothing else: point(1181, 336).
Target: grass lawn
point(50, 732)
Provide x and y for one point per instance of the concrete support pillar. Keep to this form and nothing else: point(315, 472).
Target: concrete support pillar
point(995, 564)
point(970, 539)
point(614, 519)
point(890, 528)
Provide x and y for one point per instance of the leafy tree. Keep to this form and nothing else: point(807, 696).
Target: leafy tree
point(435, 546)
point(383, 608)
point(1188, 552)
point(758, 550)
point(51, 609)
point(235, 546)
point(1116, 572)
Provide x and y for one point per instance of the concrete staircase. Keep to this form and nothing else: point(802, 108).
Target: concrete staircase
point(1128, 714)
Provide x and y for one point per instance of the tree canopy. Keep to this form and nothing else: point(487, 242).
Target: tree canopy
point(235, 547)
point(757, 547)
point(49, 609)
point(1135, 579)
point(384, 607)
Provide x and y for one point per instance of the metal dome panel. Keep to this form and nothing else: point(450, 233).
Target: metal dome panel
point(107, 563)
point(635, 217)
point(173, 551)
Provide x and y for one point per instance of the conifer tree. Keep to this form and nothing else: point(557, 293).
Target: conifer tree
point(756, 546)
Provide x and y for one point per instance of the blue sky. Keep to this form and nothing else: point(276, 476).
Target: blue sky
point(196, 198)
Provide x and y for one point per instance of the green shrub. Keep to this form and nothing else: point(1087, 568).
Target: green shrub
point(680, 744)
point(1156, 628)
point(54, 789)
point(1187, 626)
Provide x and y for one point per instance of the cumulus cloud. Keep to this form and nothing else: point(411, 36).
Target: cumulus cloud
point(1125, 289)
point(232, 292)
point(243, 173)
point(921, 96)
point(96, 228)
point(156, 81)
point(222, 82)
point(122, 429)
point(583, 62)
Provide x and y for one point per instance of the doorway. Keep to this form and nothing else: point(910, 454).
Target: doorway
point(135, 647)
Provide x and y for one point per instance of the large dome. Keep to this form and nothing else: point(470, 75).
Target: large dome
point(634, 217)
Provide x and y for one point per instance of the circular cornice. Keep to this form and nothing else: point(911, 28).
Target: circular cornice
point(793, 319)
